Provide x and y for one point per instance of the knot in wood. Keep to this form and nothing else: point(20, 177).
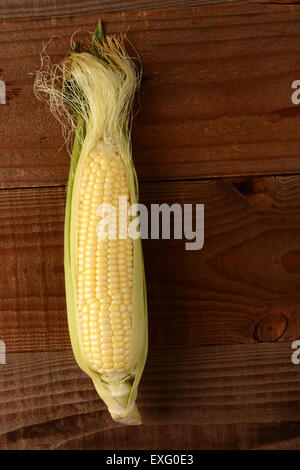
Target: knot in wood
point(271, 327)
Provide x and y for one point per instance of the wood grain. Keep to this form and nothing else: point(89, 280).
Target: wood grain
point(46, 8)
point(242, 287)
point(215, 97)
point(215, 102)
point(220, 397)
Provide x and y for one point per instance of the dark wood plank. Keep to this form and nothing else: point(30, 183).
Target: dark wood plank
point(215, 98)
point(242, 287)
point(46, 8)
point(32, 280)
point(209, 397)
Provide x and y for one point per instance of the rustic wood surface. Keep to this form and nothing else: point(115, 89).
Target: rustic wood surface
point(244, 281)
point(207, 397)
point(45, 8)
point(215, 103)
point(215, 97)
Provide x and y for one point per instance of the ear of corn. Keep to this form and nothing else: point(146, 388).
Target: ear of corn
point(105, 282)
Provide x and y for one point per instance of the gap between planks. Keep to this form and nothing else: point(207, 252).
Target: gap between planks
point(173, 180)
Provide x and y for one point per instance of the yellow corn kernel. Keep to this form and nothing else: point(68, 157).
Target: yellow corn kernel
point(101, 277)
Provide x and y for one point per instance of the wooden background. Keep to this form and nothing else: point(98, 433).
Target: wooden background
point(216, 126)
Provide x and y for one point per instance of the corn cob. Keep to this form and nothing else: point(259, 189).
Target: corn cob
point(104, 267)
point(104, 276)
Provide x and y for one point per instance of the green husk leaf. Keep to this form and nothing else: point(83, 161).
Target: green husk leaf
point(97, 41)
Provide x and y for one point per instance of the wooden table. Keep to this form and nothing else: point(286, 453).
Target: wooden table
point(216, 126)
